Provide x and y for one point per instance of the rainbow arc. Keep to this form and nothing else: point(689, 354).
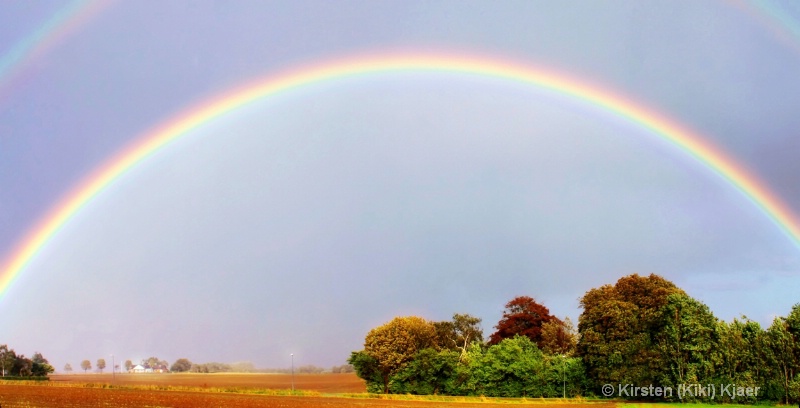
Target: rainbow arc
point(682, 138)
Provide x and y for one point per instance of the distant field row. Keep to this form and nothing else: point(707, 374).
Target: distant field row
point(324, 383)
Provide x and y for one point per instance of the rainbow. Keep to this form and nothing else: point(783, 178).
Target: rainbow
point(56, 28)
point(682, 138)
point(780, 19)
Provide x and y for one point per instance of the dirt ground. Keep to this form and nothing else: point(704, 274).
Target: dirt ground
point(13, 396)
point(325, 383)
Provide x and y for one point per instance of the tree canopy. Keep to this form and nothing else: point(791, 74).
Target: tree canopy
point(523, 316)
point(641, 330)
point(394, 344)
point(181, 365)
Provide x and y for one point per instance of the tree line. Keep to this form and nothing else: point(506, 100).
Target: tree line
point(184, 365)
point(17, 365)
point(640, 331)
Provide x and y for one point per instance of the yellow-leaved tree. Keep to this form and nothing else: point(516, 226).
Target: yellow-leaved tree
point(388, 348)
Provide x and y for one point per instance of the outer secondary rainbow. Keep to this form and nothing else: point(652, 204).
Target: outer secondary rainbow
point(56, 28)
point(779, 18)
point(684, 139)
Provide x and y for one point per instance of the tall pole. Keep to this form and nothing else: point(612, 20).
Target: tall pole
point(292, 371)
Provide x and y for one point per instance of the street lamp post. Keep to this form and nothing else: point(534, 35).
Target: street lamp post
point(292, 371)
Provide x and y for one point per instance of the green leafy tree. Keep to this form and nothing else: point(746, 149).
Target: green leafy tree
point(514, 367)
point(368, 369)
point(741, 355)
point(685, 340)
point(430, 372)
point(40, 367)
point(783, 348)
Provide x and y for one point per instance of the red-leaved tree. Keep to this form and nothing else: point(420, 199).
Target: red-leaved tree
point(523, 316)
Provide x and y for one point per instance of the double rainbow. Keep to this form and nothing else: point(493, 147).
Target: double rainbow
point(684, 139)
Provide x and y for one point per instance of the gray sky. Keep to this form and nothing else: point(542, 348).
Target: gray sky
point(298, 223)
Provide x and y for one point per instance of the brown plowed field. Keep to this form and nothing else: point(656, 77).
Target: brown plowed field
point(12, 396)
point(326, 383)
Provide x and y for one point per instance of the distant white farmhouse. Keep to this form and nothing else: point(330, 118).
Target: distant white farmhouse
point(161, 368)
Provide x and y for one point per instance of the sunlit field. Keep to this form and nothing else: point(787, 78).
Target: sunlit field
point(248, 390)
point(324, 383)
point(230, 390)
point(73, 393)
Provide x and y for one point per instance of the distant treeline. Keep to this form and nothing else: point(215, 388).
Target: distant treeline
point(635, 339)
point(311, 369)
point(184, 365)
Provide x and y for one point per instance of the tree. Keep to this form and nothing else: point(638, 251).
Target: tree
point(368, 369)
point(128, 365)
point(101, 364)
point(40, 367)
point(514, 367)
point(68, 368)
point(181, 365)
point(431, 372)
point(523, 316)
point(23, 366)
point(459, 333)
point(783, 348)
point(155, 364)
point(7, 358)
point(618, 328)
point(559, 337)
point(741, 355)
point(210, 368)
point(686, 340)
point(86, 366)
point(394, 344)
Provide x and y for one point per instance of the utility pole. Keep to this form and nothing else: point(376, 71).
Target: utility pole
point(292, 371)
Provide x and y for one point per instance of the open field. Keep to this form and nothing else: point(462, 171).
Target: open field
point(246, 390)
point(75, 394)
point(62, 395)
point(324, 383)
